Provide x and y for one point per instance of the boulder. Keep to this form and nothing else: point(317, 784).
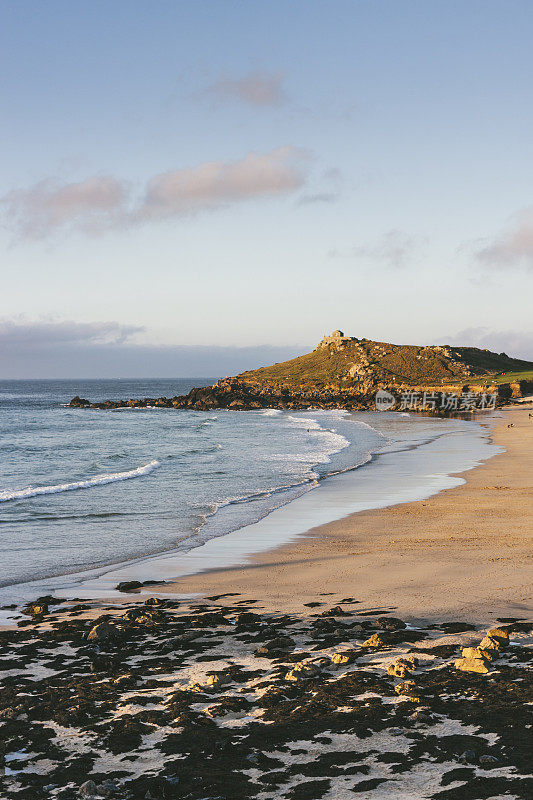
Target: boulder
point(343, 657)
point(398, 671)
point(87, 789)
point(336, 611)
point(302, 670)
point(79, 402)
point(247, 618)
point(472, 665)
point(391, 623)
point(107, 788)
point(488, 643)
point(376, 640)
point(407, 689)
point(487, 760)
point(275, 645)
point(477, 652)
point(36, 609)
point(128, 586)
point(102, 631)
point(501, 635)
point(215, 680)
point(126, 681)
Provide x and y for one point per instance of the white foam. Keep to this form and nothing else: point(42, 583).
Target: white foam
point(97, 480)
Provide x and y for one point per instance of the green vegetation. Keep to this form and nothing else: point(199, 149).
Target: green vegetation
point(351, 362)
point(507, 377)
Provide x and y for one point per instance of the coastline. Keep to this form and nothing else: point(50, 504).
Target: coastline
point(416, 462)
point(465, 552)
point(304, 674)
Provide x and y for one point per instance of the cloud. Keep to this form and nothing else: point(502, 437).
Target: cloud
point(391, 250)
point(103, 203)
point(319, 197)
point(19, 334)
point(517, 344)
point(49, 205)
point(254, 89)
point(51, 349)
point(326, 190)
point(513, 247)
point(186, 191)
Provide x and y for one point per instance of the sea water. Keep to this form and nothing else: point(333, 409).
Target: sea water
point(88, 493)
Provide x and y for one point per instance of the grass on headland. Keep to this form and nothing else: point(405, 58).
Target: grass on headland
point(505, 377)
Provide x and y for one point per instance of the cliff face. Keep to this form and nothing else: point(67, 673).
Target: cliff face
point(345, 372)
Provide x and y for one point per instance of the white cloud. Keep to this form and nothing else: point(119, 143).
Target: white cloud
point(48, 205)
point(513, 247)
point(254, 89)
point(102, 203)
point(186, 191)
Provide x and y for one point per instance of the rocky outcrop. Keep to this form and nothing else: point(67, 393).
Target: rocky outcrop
point(346, 372)
point(238, 394)
point(478, 659)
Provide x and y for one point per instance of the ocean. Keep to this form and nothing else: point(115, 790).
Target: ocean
point(102, 491)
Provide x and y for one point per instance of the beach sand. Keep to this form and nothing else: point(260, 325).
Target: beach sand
point(169, 698)
point(464, 553)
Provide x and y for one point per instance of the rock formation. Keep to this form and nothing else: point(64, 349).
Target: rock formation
point(345, 372)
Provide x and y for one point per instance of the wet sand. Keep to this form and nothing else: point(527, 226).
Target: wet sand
point(464, 553)
point(158, 698)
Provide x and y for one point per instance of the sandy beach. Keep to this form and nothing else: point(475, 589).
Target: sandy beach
point(464, 553)
point(385, 655)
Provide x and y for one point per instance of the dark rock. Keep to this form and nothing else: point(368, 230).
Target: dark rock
point(468, 757)
point(391, 623)
point(128, 586)
point(87, 789)
point(336, 611)
point(247, 618)
point(35, 609)
point(103, 631)
point(456, 627)
point(488, 761)
point(79, 402)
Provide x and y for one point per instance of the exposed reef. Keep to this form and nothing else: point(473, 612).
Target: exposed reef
point(161, 699)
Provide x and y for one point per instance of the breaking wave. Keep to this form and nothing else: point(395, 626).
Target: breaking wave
point(96, 480)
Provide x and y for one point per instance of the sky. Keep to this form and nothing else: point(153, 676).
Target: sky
point(197, 188)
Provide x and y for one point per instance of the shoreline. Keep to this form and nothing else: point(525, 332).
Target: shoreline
point(419, 467)
point(281, 678)
point(470, 545)
point(347, 553)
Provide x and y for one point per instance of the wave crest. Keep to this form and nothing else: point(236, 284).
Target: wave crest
point(96, 480)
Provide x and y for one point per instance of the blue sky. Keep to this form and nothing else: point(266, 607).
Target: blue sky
point(216, 173)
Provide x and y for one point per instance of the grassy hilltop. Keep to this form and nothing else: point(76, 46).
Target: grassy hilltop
point(353, 361)
point(345, 372)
